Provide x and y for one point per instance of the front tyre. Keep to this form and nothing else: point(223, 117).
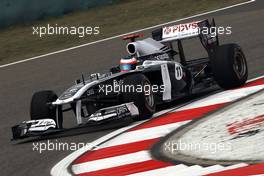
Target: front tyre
point(229, 66)
point(144, 100)
point(41, 109)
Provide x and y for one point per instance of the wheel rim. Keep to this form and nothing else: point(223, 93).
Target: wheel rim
point(149, 98)
point(240, 65)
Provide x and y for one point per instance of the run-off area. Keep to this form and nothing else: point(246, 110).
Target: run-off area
point(234, 133)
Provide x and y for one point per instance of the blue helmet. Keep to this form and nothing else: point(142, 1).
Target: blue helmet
point(128, 63)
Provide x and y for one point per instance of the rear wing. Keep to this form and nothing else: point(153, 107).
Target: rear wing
point(180, 31)
point(205, 30)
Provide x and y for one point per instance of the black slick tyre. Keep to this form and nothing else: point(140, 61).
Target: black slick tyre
point(40, 107)
point(229, 66)
point(144, 100)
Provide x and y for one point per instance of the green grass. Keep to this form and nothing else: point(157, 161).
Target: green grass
point(17, 42)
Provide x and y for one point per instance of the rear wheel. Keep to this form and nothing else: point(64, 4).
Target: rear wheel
point(144, 100)
point(229, 66)
point(40, 109)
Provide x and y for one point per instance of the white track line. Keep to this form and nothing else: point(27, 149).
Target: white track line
point(254, 79)
point(111, 162)
point(143, 134)
point(162, 171)
point(61, 168)
point(117, 36)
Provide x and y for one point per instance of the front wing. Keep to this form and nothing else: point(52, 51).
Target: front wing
point(43, 127)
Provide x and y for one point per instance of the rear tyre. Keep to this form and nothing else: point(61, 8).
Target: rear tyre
point(229, 66)
point(144, 100)
point(40, 109)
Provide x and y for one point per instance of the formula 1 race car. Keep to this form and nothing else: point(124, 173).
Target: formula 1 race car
point(148, 76)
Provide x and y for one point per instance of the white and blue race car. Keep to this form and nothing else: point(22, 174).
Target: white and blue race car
point(150, 75)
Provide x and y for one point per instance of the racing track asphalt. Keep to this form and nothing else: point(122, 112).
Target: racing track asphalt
point(59, 71)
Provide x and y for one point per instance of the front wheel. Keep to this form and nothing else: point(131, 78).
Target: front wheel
point(144, 100)
point(41, 109)
point(229, 66)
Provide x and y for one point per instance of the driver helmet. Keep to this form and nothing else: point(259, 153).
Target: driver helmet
point(128, 63)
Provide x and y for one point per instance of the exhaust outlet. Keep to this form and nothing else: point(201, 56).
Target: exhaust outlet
point(131, 48)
